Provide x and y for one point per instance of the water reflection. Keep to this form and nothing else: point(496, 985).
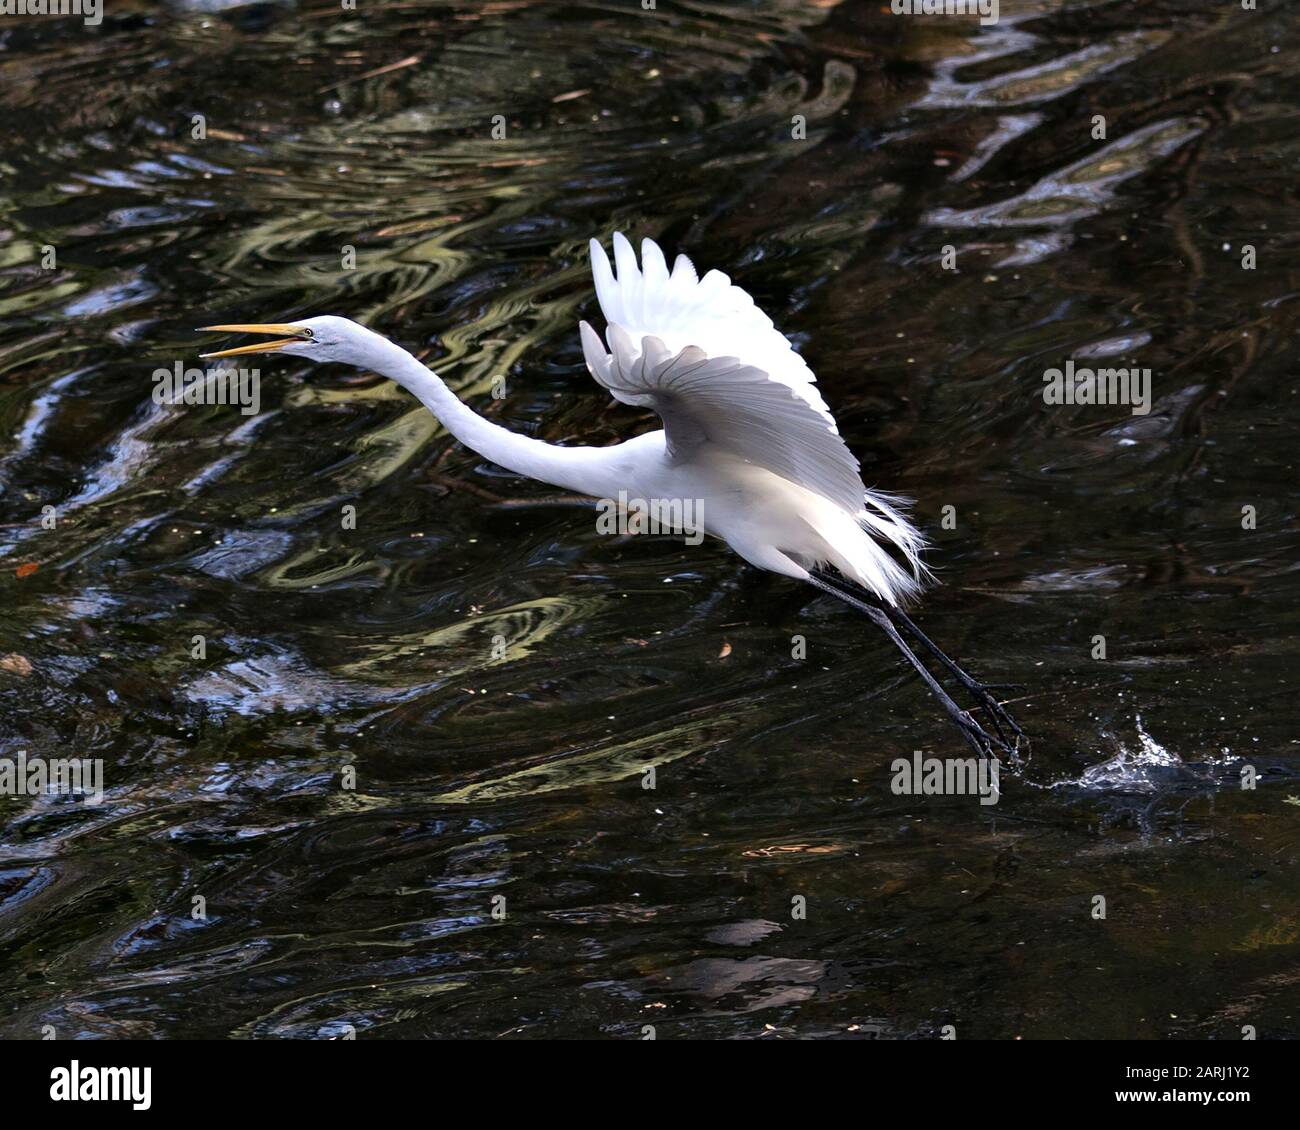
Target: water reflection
point(492, 676)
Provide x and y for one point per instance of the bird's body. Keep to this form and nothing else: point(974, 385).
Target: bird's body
point(746, 430)
point(748, 444)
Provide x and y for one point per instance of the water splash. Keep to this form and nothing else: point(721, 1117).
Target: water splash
point(1143, 770)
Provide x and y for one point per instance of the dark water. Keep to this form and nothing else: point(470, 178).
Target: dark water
point(335, 651)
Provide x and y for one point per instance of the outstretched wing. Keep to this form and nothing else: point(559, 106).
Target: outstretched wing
point(711, 364)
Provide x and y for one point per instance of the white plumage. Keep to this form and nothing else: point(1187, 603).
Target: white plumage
point(725, 381)
point(748, 442)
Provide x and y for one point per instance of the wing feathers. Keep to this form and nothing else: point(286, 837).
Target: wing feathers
point(700, 353)
point(653, 266)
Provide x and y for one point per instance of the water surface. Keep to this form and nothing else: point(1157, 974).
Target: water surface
point(493, 675)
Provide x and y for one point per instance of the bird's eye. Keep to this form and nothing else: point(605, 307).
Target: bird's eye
point(308, 333)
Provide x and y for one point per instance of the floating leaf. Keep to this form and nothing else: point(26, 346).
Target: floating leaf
point(15, 664)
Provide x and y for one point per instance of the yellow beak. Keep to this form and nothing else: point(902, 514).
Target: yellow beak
point(289, 334)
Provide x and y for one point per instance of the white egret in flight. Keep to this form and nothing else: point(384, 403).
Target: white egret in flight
point(747, 441)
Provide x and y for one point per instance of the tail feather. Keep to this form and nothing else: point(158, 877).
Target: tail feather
point(884, 520)
point(878, 548)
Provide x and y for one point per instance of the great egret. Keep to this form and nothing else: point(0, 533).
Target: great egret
point(747, 441)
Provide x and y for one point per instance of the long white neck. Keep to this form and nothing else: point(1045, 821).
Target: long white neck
point(586, 470)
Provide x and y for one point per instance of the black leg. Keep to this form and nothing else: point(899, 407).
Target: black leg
point(979, 690)
point(982, 742)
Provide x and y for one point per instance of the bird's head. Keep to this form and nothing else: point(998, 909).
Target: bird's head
point(327, 338)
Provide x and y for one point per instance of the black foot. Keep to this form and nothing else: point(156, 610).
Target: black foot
point(1003, 723)
point(1007, 736)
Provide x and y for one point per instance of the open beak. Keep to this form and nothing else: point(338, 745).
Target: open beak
point(288, 335)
